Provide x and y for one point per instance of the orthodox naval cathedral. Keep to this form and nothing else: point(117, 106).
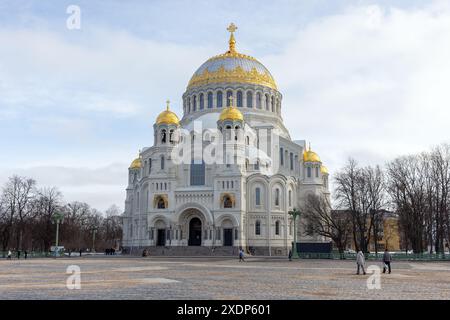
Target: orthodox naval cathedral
point(227, 175)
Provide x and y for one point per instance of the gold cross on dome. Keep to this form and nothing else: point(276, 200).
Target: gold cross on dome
point(168, 103)
point(230, 100)
point(232, 27)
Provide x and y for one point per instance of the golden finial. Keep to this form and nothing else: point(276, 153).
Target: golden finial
point(310, 146)
point(230, 101)
point(167, 103)
point(232, 42)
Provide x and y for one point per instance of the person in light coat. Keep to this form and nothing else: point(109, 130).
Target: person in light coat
point(360, 261)
point(387, 258)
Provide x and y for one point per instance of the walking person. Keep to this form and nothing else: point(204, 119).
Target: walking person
point(26, 254)
point(290, 255)
point(9, 255)
point(387, 258)
point(360, 261)
point(18, 254)
point(241, 255)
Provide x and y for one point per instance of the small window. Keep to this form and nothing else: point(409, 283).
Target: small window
point(239, 99)
point(308, 172)
point(202, 101)
point(258, 196)
point(277, 228)
point(249, 99)
point(149, 165)
point(219, 99)
point(281, 157)
point(317, 172)
point(258, 227)
point(290, 198)
point(195, 103)
point(277, 197)
point(258, 100)
point(163, 136)
point(210, 100)
point(291, 160)
point(162, 163)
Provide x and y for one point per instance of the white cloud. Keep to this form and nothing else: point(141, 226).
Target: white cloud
point(369, 82)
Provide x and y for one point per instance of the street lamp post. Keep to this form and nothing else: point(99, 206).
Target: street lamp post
point(294, 213)
point(94, 230)
point(57, 218)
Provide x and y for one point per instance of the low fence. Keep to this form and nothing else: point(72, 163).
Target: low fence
point(373, 256)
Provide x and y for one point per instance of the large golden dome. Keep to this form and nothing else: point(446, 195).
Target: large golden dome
point(231, 113)
point(232, 67)
point(167, 117)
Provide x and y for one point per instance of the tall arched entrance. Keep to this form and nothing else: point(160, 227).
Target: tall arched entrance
point(195, 232)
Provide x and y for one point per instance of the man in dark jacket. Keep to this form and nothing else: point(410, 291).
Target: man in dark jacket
point(387, 258)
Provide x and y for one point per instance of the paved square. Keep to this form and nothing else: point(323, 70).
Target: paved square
point(217, 278)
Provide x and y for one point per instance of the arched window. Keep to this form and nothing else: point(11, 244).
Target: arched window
point(227, 203)
point(258, 100)
point(149, 165)
point(290, 198)
point(161, 203)
point(258, 227)
point(219, 99)
point(163, 136)
point(258, 196)
point(210, 100)
point(229, 94)
point(281, 157)
point(277, 227)
point(249, 99)
point(189, 105)
point(291, 160)
point(273, 104)
point(247, 140)
point(267, 102)
point(202, 101)
point(257, 165)
point(195, 104)
point(317, 172)
point(239, 99)
point(162, 162)
point(277, 197)
point(308, 172)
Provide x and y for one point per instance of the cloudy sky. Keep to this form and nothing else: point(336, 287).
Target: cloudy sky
point(367, 79)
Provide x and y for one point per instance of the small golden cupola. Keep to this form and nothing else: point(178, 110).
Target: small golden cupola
point(310, 156)
point(324, 170)
point(167, 116)
point(136, 164)
point(231, 113)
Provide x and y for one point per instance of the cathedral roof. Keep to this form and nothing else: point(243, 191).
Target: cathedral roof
point(231, 113)
point(323, 170)
point(310, 156)
point(136, 164)
point(167, 117)
point(232, 67)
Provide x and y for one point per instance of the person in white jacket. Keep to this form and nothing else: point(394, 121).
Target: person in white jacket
point(360, 261)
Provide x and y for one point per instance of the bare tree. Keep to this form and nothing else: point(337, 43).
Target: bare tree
point(321, 220)
point(407, 188)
